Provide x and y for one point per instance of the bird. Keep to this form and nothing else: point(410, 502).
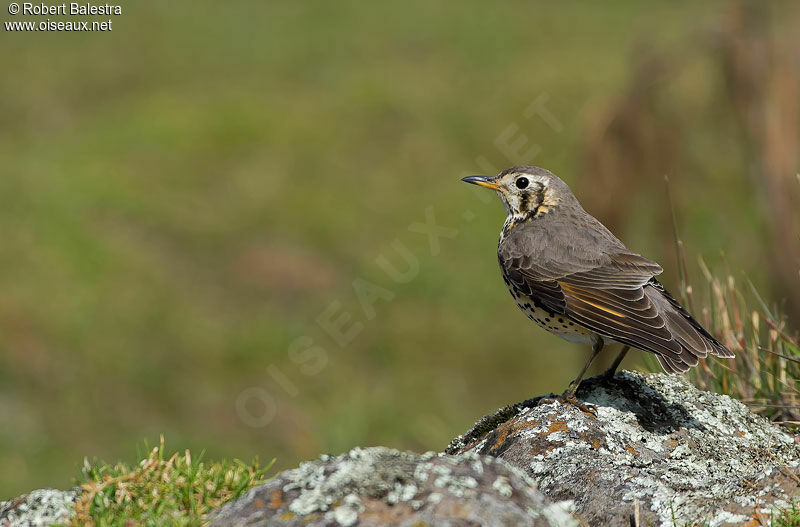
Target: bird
point(574, 278)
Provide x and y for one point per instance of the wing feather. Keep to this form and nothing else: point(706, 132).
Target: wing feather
point(591, 277)
point(620, 299)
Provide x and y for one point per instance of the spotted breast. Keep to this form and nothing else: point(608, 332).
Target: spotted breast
point(553, 322)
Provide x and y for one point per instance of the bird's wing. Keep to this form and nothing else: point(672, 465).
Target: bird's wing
point(614, 294)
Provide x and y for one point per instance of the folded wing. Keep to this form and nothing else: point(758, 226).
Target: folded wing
point(616, 295)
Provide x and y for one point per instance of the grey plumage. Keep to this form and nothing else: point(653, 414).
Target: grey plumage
point(570, 265)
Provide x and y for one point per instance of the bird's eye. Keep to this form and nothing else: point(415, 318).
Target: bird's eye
point(521, 182)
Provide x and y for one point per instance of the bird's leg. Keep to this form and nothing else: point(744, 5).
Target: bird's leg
point(609, 373)
point(569, 395)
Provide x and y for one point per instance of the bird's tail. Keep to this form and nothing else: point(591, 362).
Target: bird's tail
point(695, 341)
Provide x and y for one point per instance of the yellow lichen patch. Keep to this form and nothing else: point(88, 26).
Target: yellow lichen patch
point(501, 438)
point(506, 428)
point(277, 500)
point(286, 516)
point(557, 426)
point(561, 426)
point(546, 444)
point(631, 450)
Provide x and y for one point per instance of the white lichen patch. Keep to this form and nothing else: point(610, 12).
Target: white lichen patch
point(477, 466)
point(349, 489)
point(401, 492)
point(655, 439)
point(560, 513)
point(727, 518)
point(502, 486)
point(459, 486)
point(40, 508)
point(346, 514)
point(359, 472)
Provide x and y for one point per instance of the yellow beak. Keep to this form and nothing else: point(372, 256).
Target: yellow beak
point(482, 181)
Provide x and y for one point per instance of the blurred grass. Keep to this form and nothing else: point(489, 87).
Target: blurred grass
point(182, 197)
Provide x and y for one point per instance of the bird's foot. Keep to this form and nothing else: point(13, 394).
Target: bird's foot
point(569, 398)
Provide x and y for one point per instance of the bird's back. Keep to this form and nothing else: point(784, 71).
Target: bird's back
point(568, 241)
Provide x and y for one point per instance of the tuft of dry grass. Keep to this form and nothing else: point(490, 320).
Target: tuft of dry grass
point(767, 366)
point(765, 373)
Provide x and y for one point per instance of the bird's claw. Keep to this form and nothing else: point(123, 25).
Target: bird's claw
point(568, 398)
point(587, 408)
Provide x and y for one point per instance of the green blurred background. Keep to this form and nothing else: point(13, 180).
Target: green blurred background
point(182, 197)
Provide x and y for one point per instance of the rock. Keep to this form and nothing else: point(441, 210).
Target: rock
point(39, 508)
point(683, 455)
point(379, 487)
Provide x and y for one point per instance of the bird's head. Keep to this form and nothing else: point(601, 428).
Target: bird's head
point(526, 191)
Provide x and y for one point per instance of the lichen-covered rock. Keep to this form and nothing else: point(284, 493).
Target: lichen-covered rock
point(682, 456)
point(374, 487)
point(39, 508)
